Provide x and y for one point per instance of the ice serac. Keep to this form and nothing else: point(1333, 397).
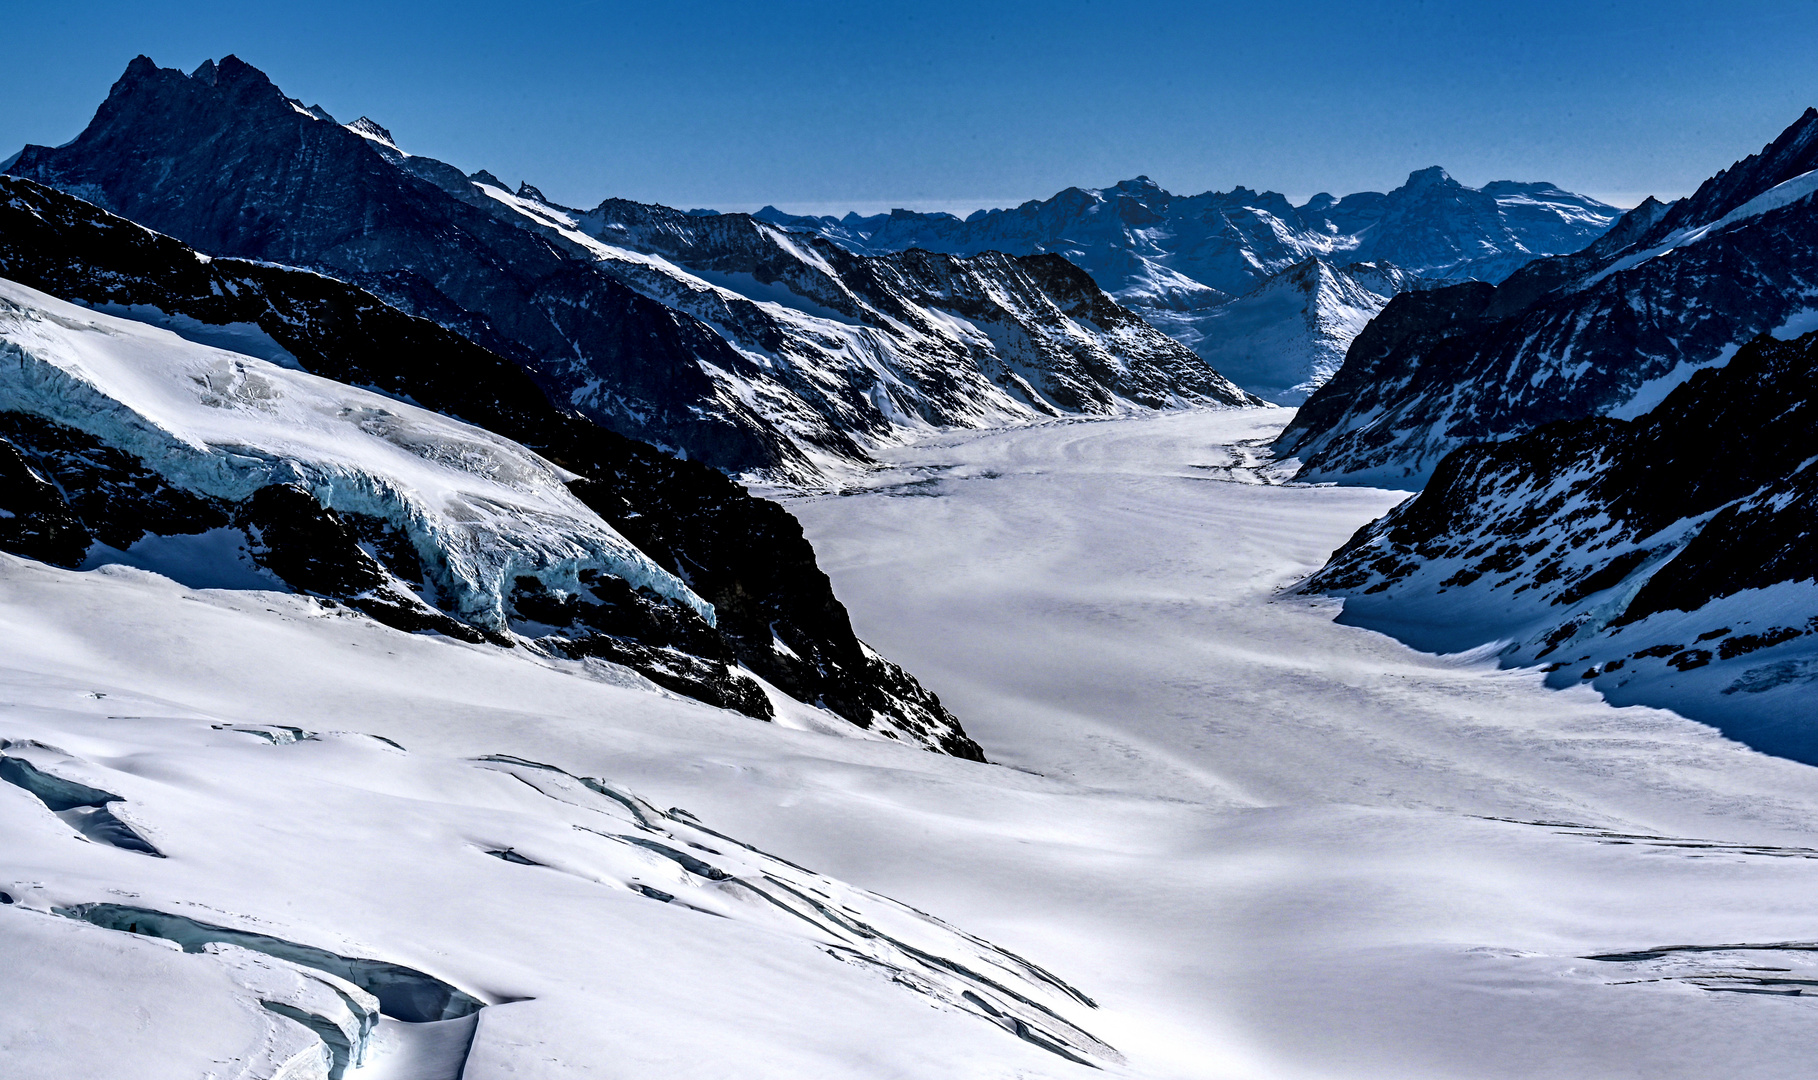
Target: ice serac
point(773, 610)
point(478, 510)
point(741, 371)
point(1607, 331)
point(1669, 560)
point(1193, 265)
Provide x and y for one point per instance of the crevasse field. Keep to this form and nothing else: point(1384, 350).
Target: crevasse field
point(1225, 837)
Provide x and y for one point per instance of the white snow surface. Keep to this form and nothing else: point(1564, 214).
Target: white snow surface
point(480, 509)
point(1267, 845)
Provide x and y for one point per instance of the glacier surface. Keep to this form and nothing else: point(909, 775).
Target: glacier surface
point(1266, 845)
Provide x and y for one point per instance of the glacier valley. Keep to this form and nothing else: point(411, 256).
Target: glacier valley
point(1224, 835)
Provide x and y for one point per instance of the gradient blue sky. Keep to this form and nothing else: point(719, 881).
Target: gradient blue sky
point(824, 107)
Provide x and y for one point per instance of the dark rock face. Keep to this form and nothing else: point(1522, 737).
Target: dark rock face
point(35, 519)
point(1670, 560)
point(315, 550)
point(112, 492)
point(1606, 331)
point(744, 555)
point(224, 161)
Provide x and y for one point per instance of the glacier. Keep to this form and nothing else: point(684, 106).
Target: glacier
point(480, 510)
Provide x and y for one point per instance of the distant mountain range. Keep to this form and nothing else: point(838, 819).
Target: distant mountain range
point(784, 357)
point(1182, 262)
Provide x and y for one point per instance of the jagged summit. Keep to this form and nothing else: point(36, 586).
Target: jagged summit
point(1793, 153)
point(1137, 184)
point(1429, 177)
point(369, 127)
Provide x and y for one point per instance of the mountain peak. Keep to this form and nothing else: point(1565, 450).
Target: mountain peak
point(1135, 184)
point(370, 128)
point(139, 67)
point(1793, 153)
point(231, 70)
point(1431, 176)
point(526, 191)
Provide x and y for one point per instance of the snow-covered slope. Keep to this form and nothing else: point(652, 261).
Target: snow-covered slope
point(296, 890)
point(774, 613)
point(1670, 560)
point(1184, 262)
point(1286, 337)
point(1608, 331)
point(792, 390)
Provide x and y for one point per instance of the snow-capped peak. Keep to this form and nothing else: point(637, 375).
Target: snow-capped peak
point(366, 127)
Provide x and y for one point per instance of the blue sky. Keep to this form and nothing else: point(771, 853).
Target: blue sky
point(820, 107)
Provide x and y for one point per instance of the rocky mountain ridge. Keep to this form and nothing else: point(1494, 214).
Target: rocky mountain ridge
point(772, 611)
point(791, 391)
point(1669, 560)
point(1608, 331)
